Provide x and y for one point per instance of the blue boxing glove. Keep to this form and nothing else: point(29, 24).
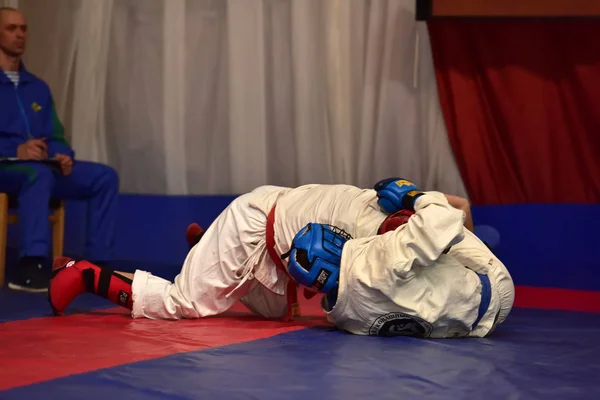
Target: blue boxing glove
point(396, 194)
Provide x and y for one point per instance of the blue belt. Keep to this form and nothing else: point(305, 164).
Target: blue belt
point(486, 297)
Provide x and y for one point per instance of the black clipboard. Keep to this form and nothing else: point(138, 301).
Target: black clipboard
point(14, 160)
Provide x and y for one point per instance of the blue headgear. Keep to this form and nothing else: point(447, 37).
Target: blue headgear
point(315, 256)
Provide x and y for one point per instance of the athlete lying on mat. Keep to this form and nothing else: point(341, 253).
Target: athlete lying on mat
point(238, 258)
point(429, 277)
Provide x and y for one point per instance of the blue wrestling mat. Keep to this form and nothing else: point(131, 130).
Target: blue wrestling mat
point(102, 354)
point(97, 351)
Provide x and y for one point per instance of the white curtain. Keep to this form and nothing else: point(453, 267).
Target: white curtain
point(9, 3)
point(220, 96)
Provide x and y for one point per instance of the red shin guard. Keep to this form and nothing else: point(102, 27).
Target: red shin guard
point(71, 278)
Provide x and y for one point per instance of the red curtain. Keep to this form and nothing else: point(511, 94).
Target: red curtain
point(521, 99)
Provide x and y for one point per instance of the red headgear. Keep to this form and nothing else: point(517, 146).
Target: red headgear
point(394, 220)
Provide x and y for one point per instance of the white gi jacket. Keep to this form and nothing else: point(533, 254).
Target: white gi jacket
point(401, 283)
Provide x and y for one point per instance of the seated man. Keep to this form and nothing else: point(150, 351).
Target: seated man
point(31, 131)
point(428, 277)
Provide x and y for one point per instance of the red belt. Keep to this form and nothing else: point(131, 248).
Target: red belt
point(292, 287)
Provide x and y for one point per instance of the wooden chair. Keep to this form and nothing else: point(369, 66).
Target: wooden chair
point(57, 221)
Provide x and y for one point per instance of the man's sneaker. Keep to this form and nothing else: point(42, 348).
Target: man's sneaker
point(31, 275)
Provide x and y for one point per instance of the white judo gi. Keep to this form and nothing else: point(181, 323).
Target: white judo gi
point(401, 282)
point(232, 263)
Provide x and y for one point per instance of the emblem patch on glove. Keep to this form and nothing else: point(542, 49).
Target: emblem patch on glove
point(404, 182)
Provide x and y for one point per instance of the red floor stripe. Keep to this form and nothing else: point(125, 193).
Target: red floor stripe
point(41, 349)
point(557, 299)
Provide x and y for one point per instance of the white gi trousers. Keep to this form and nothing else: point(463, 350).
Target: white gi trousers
point(231, 263)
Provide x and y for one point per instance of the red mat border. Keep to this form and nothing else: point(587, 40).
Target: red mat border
point(557, 299)
point(41, 349)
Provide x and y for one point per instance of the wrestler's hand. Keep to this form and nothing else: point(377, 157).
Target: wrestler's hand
point(464, 205)
point(396, 194)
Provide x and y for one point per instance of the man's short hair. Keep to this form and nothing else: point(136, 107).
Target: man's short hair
point(6, 8)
